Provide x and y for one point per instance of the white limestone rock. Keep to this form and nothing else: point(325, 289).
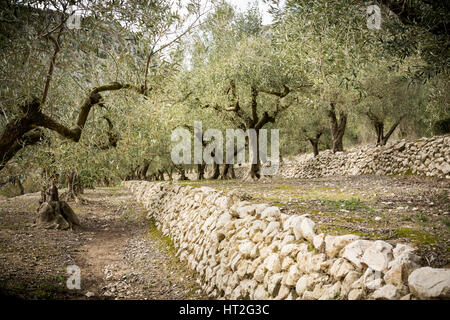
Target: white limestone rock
point(429, 283)
point(341, 268)
point(387, 292)
point(334, 244)
point(354, 251)
point(378, 256)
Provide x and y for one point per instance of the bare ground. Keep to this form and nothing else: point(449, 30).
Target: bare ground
point(121, 254)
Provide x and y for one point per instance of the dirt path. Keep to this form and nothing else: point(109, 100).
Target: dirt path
point(120, 253)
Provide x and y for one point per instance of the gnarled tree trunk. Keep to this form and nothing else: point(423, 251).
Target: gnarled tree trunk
point(315, 143)
point(337, 127)
point(54, 213)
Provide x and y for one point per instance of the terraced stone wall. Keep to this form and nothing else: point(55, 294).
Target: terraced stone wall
point(243, 250)
point(427, 157)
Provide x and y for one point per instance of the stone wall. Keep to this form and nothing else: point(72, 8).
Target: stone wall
point(426, 156)
point(254, 251)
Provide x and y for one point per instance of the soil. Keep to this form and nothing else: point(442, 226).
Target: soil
point(120, 253)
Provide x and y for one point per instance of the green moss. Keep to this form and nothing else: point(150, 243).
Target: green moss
point(416, 236)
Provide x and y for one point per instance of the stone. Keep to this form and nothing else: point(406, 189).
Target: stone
point(334, 244)
point(302, 285)
point(307, 229)
point(273, 226)
point(319, 242)
point(340, 269)
point(292, 276)
point(274, 284)
point(387, 292)
point(287, 263)
point(406, 297)
point(400, 249)
point(394, 275)
point(349, 280)
point(331, 292)
point(260, 293)
point(295, 224)
point(428, 283)
point(374, 284)
point(378, 256)
point(272, 263)
point(246, 247)
point(242, 269)
point(271, 212)
point(354, 251)
point(303, 261)
point(259, 273)
point(283, 293)
point(356, 294)
point(315, 262)
point(289, 249)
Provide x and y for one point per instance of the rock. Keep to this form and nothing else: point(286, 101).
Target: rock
point(272, 263)
point(260, 293)
point(274, 284)
point(371, 279)
point(273, 226)
point(387, 292)
point(319, 242)
point(295, 224)
point(394, 275)
point(354, 251)
point(90, 294)
point(356, 294)
point(400, 249)
point(271, 212)
point(406, 297)
point(349, 280)
point(287, 263)
point(303, 261)
point(315, 262)
point(302, 285)
point(283, 293)
point(293, 275)
point(428, 283)
point(374, 284)
point(259, 273)
point(242, 268)
point(307, 228)
point(331, 292)
point(341, 268)
point(246, 247)
point(334, 244)
point(289, 249)
point(378, 256)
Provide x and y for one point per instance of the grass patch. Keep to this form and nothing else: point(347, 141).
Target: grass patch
point(416, 236)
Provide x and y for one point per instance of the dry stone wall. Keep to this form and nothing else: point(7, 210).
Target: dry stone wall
point(243, 250)
point(427, 156)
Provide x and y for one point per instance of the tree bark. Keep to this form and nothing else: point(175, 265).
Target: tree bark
point(337, 127)
point(378, 125)
point(315, 143)
point(200, 171)
point(216, 171)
